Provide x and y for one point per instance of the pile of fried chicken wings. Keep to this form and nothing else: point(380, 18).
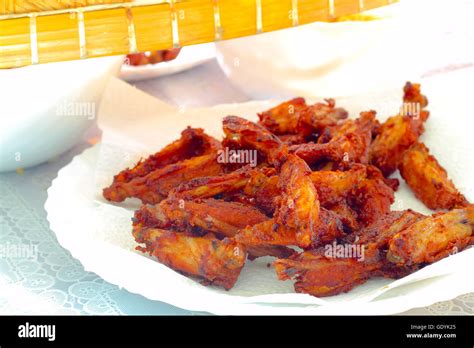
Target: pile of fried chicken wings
point(319, 180)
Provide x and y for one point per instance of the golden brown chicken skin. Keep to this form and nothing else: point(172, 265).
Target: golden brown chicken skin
point(382, 230)
point(267, 233)
point(224, 219)
point(193, 142)
point(429, 180)
point(334, 186)
point(299, 219)
point(283, 118)
point(348, 143)
point(212, 215)
point(296, 117)
point(211, 186)
point(371, 199)
point(433, 237)
point(317, 118)
point(155, 186)
point(245, 134)
point(399, 132)
point(321, 275)
point(215, 261)
point(299, 205)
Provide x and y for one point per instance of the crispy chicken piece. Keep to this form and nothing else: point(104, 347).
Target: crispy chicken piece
point(365, 122)
point(193, 142)
point(155, 186)
point(381, 231)
point(433, 237)
point(296, 117)
point(272, 233)
point(339, 151)
point(320, 116)
point(224, 219)
point(399, 132)
point(371, 199)
point(284, 117)
point(320, 274)
point(267, 233)
point(375, 173)
point(429, 180)
point(292, 139)
point(349, 143)
point(250, 186)
point(246, 134)
point(299, 205)
point(335, 186)
point(346, 214)
point(263, 192)
point(378, 234)
point(396, 135)
point(211, 186)
point(211, 215)
point(299, 219)
point(217, 262)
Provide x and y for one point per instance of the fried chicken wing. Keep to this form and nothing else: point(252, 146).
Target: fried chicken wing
point(349, 143)
point(320, 116)
point(335, 186)
point(396, 135)
point(211, 186)
point(382, 230)
point(155, 186)
point(299, 204)
point(263, 191)
point(247, 134)
point(299, 219)
point(225, 219)
point(296, 117)
point(267, 233)
point(429, 180)
point(399, 132)
point(217, 262)
point(284, 117)
point(322, 275)
point(433, 237)
point(371, 199)
point(193, 142)
point(311, 152)
point(212, 215)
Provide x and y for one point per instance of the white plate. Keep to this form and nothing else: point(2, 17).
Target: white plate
point(99, 233)
point(189, 57)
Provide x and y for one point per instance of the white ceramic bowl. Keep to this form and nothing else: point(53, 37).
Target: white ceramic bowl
point(45, 109)
point(322, 59)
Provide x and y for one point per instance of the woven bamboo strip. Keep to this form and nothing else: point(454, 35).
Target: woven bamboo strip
point(125, 27)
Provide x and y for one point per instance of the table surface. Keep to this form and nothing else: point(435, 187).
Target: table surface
point(53, 282)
